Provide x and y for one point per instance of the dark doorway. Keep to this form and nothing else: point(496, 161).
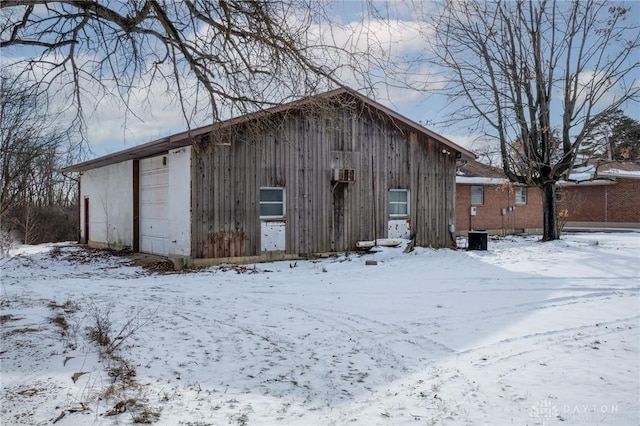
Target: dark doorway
point(86, 220)
point(338, 240)
point(136, 205)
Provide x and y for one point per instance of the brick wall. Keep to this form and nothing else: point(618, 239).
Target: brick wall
point(489, 215)
point(616, 203)
point(624, 201)
point(584, 203)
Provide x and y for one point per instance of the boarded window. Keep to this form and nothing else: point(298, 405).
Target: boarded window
point(521, 196)
point(398, 202)
point(271, 202)
point(477, 195)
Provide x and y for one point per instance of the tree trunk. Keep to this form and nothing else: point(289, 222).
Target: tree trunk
point(549, 217)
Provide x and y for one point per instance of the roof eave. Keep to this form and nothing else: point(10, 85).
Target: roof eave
point(185, 138)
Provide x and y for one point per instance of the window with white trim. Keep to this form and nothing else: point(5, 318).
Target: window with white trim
point(272, 203)
point(477, 195)
point(521, 195)
point(398, 202)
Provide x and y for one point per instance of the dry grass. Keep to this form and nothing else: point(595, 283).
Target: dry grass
point(8, 318)
point(24, 330)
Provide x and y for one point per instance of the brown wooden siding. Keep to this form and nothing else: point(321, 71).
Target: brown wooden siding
point(298, 151)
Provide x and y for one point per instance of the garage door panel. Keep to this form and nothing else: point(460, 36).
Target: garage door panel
point(154, 194)
point(154, 207)
point(154, 182)
point(154, 211)
point(153, 245)
point(155, 228)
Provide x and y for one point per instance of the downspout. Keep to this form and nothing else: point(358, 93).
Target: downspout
point(606, 204)
point(452, 220)
point(470, 206)
point(502, 216)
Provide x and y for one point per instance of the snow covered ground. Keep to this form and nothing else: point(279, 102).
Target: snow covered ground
point(524, 333)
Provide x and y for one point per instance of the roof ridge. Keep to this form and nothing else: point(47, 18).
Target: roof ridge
point(178, 140)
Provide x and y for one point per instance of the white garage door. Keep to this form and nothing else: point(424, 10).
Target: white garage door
point(154, 205)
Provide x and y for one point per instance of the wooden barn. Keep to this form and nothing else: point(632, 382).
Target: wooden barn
point(312, 176)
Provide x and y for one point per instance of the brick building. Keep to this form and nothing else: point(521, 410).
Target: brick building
point(605, 195)
point(486, 200)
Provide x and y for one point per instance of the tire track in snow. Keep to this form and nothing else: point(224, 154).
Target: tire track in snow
point(450, 321)
point(560, 335)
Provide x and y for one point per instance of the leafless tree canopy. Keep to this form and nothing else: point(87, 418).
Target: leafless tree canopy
point(225, 56)
point(533, 74)
point(35, 200)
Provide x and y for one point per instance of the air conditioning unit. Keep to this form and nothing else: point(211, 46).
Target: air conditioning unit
point(344, 175)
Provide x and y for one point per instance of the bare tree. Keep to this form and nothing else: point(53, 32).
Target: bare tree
point(533, 74)
point(488, 154)
point(216, 58)
point(27, 138)
point(32, 149)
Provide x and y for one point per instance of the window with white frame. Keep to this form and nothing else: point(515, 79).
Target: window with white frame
point(398, 202)
point(521, 195)
point(272, 203)
point(477, 195)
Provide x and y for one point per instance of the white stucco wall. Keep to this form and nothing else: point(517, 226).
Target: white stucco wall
point(180, 201)
point(110, 192)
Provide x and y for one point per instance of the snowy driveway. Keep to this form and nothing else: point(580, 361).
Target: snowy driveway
point(525, 333)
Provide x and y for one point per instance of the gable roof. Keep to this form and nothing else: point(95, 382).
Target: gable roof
point(179, 140)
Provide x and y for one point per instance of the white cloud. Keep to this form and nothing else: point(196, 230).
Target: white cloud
point(152, 111)
point(155, 113)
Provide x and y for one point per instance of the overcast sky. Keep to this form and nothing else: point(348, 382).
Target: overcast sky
point(387, 29)
point(160, 116)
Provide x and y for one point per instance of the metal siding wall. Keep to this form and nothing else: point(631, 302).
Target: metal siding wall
point(111, 210)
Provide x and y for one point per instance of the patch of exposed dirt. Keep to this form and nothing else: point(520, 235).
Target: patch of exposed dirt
point(20, 331)
point(241, 269)
point(152, 263)
point(85, 254)
point(8, 317)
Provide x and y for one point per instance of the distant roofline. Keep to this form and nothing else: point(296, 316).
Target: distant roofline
point(477, 180)
point(619, 174)
point(594, 182)
point(185, 138)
